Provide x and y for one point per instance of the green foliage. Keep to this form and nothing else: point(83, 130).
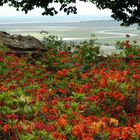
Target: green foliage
point(59, 51)
point(65, 5)
point(128, 49)
point(3, 48)
point(51, 41)
point(3, 66)
point(126, 11)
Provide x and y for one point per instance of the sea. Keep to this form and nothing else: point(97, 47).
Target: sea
point(52, 19)
point(70, 28)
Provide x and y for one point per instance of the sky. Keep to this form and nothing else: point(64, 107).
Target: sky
point(82, 9)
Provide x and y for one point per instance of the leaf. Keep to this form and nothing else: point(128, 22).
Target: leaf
point(27, 137)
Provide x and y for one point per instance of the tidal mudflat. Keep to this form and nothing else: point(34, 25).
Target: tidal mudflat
point(106, 31)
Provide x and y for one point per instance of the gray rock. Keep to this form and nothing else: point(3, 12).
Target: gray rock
point(16, 36)
point(19, 42)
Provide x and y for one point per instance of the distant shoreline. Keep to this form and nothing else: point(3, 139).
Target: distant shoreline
point(106, 20)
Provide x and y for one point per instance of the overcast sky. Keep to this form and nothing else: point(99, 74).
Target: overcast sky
point(82, 7)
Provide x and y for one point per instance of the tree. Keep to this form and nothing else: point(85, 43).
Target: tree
point(127, 11)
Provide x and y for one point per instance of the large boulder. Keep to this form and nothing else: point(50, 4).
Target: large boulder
point(20, 43)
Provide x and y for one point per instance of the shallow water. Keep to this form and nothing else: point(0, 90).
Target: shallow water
point(75, 28)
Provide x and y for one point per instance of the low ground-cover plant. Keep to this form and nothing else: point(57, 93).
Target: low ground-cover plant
point(60, 98)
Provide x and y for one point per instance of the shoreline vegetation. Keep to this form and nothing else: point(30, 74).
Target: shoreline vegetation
point(70, 93)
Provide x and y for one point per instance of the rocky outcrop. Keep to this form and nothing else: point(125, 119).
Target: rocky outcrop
point(19, 43)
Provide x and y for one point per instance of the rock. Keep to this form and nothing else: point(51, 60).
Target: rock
point(18, 42)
